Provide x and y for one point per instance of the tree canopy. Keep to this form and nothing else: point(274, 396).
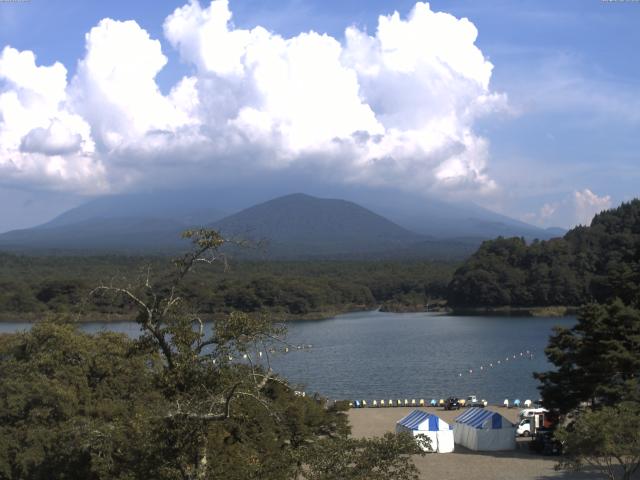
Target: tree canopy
point(606, 439)
point(33, 286)
point(595, 386)
point(593, 263)
point(184, 401)
point(597, 361)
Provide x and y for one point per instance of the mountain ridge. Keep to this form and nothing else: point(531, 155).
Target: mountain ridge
point(297, 225)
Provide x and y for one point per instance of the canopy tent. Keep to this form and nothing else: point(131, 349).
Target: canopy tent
point(433, 427)
point(484, 430)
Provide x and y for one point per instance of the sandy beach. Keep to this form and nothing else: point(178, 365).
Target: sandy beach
point(519, 464)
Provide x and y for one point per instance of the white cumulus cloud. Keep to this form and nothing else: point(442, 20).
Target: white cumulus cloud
point(578, 208)
point(42, 140)
point(115, 87)
point(588, 204)
point(396, 107)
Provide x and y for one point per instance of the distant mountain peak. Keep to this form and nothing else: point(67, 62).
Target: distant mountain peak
point(305, 198)
point(300, 224)
point(297, 196)
point(297, 225)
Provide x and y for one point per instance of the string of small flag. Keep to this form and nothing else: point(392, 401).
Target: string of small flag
point(525, 354)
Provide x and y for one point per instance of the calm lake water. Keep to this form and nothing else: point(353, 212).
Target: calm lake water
point(376, 355)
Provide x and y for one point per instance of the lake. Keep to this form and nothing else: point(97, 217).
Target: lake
point(379, 355)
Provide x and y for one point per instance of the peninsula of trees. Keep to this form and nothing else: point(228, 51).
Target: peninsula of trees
point(594, 263)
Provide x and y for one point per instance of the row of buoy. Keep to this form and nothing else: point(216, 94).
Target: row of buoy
point(528, 354)
point(405, 403)
point(287, 349)
point(433, 403)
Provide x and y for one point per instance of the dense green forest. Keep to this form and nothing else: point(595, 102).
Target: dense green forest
point(172, 404)
point(593, 263)
point(31, 286)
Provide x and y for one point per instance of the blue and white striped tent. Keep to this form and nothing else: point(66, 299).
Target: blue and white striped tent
point(431, 426)
point(480, 429)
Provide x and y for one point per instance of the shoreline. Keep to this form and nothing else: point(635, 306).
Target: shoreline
point(97, 317)
point(326, 314)
point(548, 311)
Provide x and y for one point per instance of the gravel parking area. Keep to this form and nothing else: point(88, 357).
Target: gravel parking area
point(519, 464)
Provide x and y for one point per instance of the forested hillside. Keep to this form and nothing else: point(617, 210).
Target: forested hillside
point(597, 262)
point(32, 286)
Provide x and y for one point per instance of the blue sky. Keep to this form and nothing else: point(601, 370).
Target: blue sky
point(562, 145)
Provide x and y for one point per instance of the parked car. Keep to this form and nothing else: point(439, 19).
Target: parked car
point(472, 401)
point(452, 403)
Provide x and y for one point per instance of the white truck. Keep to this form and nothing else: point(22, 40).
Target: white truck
point(531, 419)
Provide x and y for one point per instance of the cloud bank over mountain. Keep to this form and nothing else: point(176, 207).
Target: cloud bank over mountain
point(394, 108)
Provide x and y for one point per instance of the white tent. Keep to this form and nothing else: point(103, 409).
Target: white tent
point(422, 423)
point(480, 429)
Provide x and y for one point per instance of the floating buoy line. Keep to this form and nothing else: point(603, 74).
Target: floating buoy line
point(268, 351)
point(523, 355)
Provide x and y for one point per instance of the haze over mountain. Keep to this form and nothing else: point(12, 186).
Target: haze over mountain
point(295, 226)
point(187, 208)
point(442, 219)
point(129, 235)
point(134, 223)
